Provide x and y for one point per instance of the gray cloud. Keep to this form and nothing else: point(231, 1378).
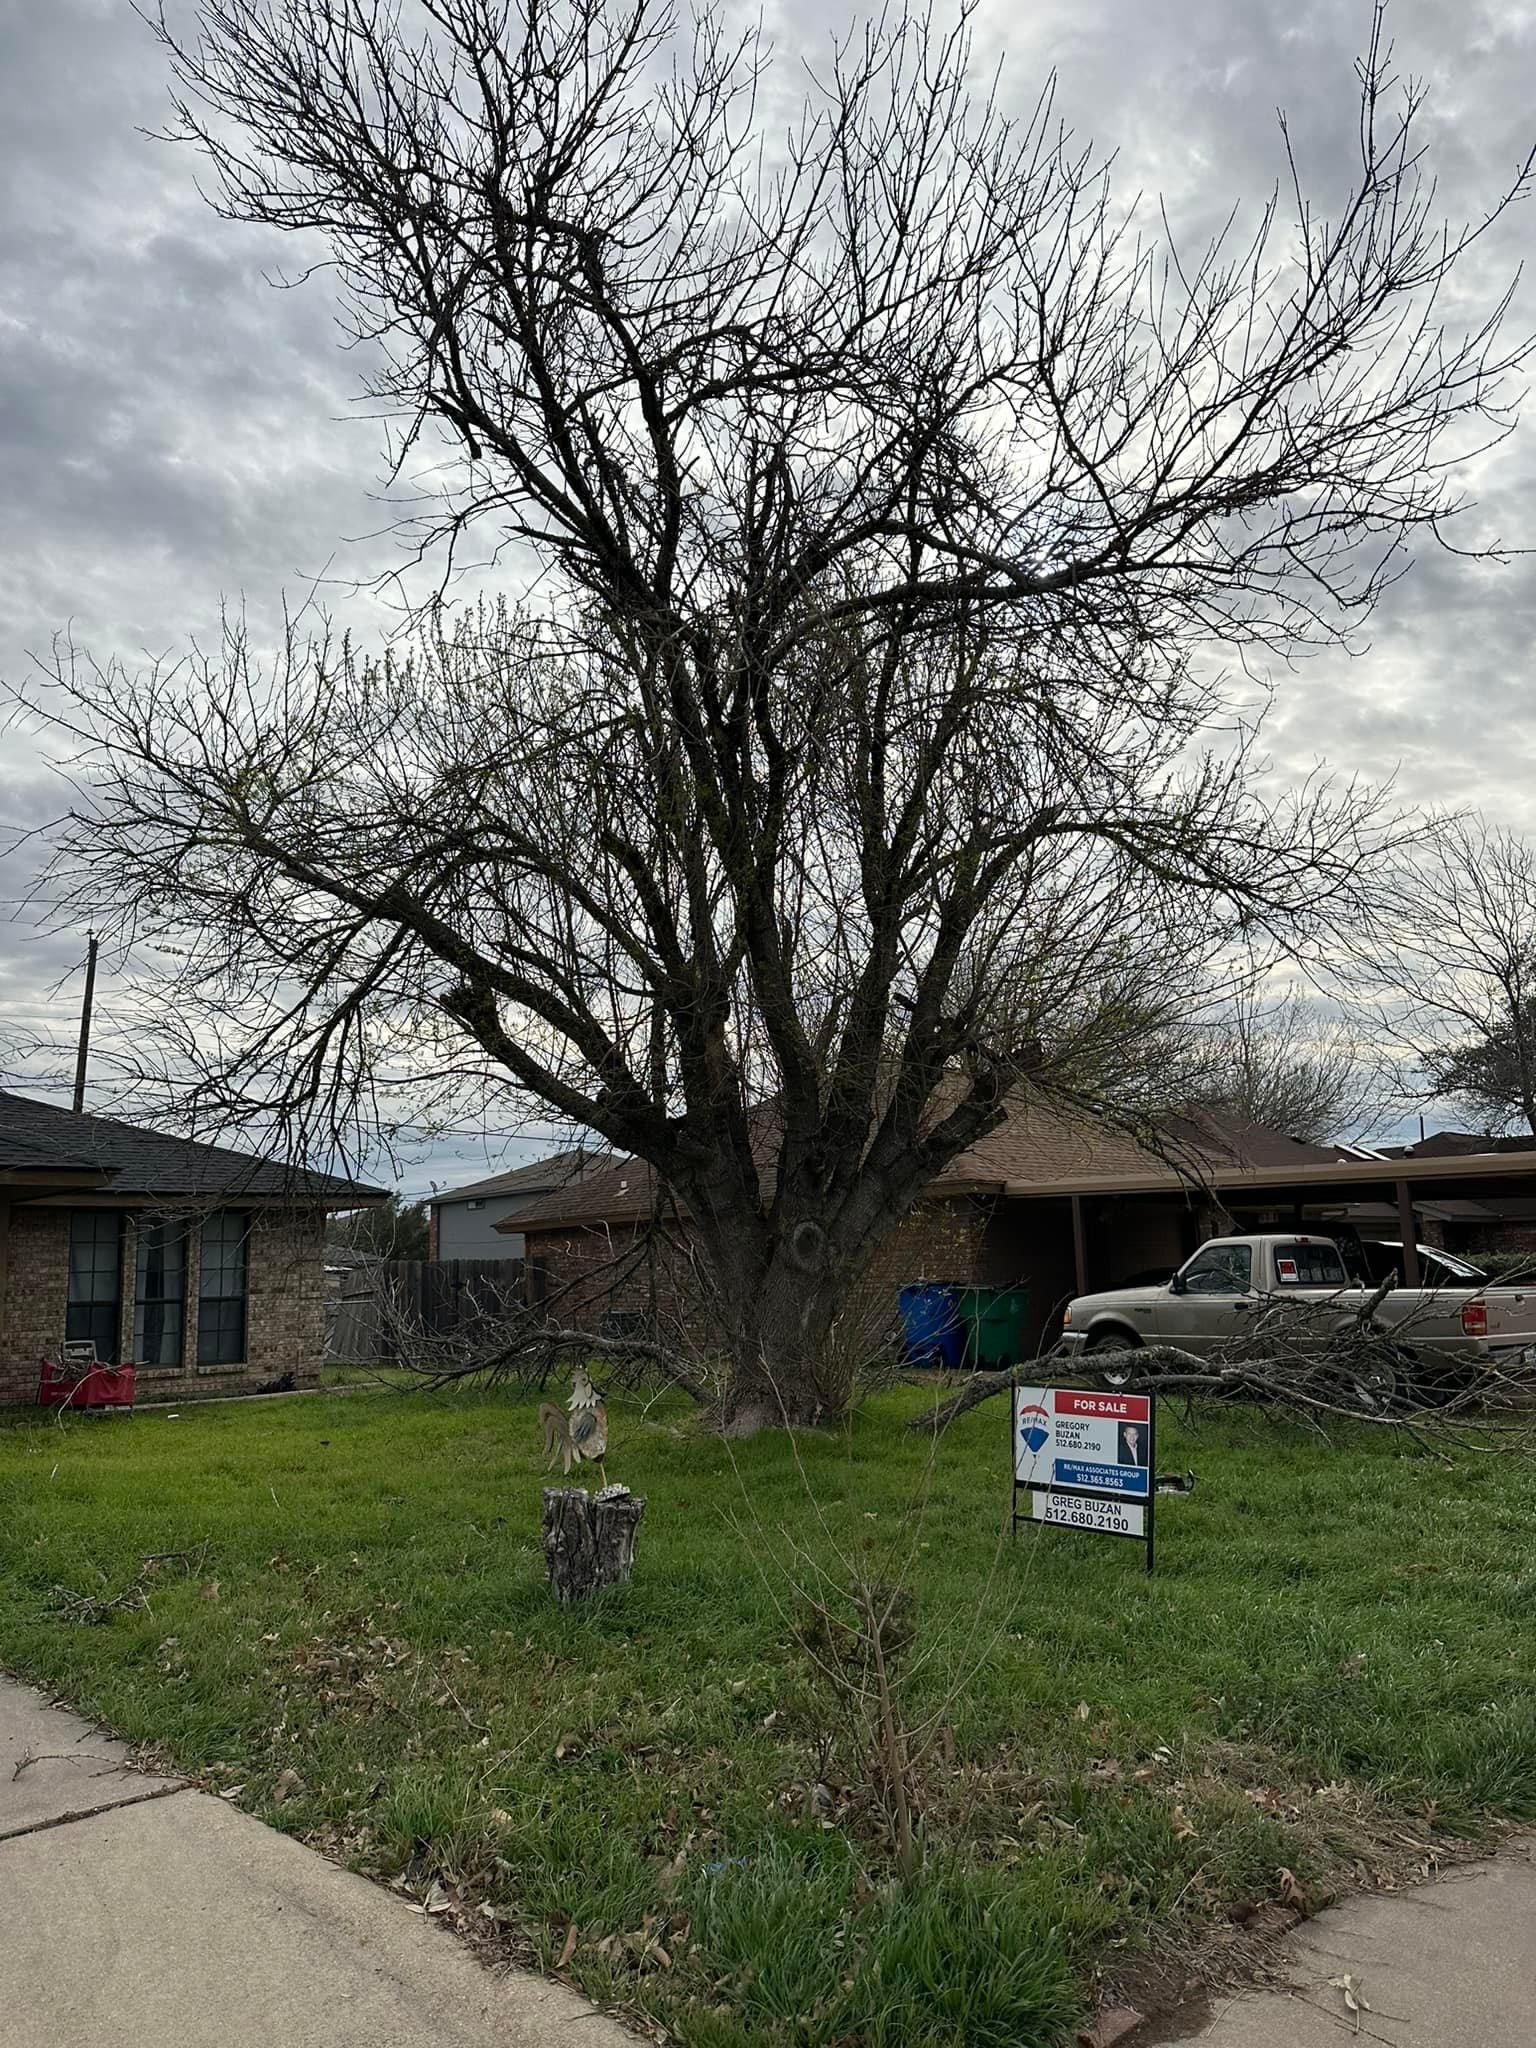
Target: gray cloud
point(173, 432)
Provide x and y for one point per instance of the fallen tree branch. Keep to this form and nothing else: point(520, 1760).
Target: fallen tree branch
point(533, 1354)
point(535, 1351)
point(1363, 1373)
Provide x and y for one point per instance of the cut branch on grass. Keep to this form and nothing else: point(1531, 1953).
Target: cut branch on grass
point(91, 1609)
point(535, 1349)
point(1317, 1362)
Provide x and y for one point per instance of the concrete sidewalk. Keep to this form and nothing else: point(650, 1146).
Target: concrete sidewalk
point(1449, 1964)
point(138, 1913)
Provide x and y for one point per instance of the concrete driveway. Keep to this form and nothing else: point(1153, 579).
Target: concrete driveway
point(136, 1912)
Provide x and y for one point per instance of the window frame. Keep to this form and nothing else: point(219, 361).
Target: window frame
point(84, 1313)
point(224, 1310)
point(1222, 1260)
point(170, 1232)
point(1303, 1254)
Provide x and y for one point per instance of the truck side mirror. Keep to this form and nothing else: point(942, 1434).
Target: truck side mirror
point(1178, 1284)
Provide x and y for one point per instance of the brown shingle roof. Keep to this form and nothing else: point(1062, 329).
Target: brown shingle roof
point(1457, 1145)
point(1035, 1145)
point(538, 1177)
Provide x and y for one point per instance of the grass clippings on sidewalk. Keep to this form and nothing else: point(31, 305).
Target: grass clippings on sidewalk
point(1331, 1675)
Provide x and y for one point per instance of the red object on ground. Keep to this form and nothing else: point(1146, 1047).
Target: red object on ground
point(99, 1386)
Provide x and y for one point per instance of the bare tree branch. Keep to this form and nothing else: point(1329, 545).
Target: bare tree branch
point(851, 775)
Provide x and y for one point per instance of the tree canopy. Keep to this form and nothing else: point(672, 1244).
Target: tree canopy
point(856, 759)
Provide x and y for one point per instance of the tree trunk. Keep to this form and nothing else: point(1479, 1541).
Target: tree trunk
point(795, 1350)
point(589, 1543)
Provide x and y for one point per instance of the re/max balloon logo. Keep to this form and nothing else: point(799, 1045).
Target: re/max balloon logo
point(1034, 1428)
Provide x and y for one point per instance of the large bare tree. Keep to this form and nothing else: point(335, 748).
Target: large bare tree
point(1459, 968)
point(1291, 1060)
point(846, 771)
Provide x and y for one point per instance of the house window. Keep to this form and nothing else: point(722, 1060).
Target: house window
point(221, 1288)
point(94, 1307)
point(159, 1293)
point(474, 1205)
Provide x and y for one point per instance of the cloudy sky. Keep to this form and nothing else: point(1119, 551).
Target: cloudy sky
point(175, 434)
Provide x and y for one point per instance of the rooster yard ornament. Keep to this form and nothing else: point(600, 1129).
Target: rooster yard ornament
point(589, 1540)
point(582, 1433)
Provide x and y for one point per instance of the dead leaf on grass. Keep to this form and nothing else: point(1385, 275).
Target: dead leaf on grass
point(568, 1946)
point(673, 1869)
point(1290, 1888)
point(1084, 1711)
point(1183, 1826)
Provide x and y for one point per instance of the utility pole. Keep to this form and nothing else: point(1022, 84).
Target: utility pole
point(85, 1023)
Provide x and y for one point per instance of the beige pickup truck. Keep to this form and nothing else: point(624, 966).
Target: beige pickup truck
point(1216, 1294)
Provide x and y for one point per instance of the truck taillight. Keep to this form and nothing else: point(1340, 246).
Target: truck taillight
point(1474, 1318)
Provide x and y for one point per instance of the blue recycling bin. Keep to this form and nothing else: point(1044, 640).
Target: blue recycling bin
point(931, 1328)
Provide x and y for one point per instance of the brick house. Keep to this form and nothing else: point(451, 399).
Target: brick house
point(1049, 1203)
point(200, 1264)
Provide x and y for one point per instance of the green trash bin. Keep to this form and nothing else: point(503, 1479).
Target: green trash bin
point(993, 1321)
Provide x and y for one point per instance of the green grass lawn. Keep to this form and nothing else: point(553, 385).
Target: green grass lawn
point(1333, 1664)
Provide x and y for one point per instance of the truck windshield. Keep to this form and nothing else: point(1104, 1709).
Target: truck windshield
point(1309, 1265)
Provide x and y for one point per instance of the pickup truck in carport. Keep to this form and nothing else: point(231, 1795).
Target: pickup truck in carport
point(1216, 1295)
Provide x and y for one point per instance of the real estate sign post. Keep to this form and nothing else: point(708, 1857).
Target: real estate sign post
point(1084, 1460)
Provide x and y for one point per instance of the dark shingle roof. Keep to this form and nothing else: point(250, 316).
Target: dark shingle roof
point(37, 1135)
point(539, 1177)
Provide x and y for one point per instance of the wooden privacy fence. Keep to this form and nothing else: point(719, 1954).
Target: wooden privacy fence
point(370, 1307)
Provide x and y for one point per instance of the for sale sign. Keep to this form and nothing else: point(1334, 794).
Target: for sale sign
point(1085, 1458)
point(1088, 1443)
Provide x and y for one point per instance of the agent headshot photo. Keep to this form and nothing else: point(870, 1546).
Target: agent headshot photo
point(1133, 1443)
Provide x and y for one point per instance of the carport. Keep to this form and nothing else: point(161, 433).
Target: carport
point(1077, 1235)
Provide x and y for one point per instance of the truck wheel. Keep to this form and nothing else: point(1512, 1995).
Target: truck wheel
point(1377, 1389)
point(1113, 1340)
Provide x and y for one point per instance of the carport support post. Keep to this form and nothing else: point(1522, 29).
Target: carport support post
point(1405, 1224)
point(1079, 1244)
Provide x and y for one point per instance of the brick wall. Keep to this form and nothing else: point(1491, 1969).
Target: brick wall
point(286, 1310)
point(36, 1250)
point(284, 1306)
point(588, 1274)
point(1473, 1238)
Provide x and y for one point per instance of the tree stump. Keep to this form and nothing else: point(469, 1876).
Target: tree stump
point(589, 1542)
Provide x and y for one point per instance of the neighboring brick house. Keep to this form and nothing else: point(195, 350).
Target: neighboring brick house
point(1044, 1202)
point(610, 1248)
point(468, 1222)
point(200, 1264)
